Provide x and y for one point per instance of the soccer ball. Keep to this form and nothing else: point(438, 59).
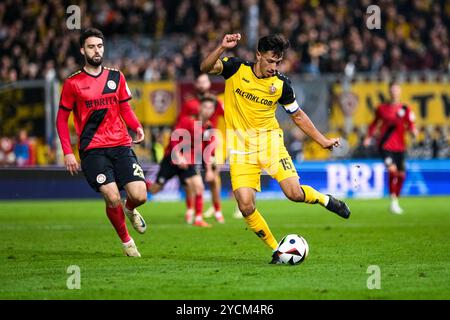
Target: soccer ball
point(292, 249)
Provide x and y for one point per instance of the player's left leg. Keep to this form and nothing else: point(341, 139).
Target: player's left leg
point(215, 187)
point(303, 193)
point(399, 163)
point(136, 196)
point(283, 170)
point(130, 176)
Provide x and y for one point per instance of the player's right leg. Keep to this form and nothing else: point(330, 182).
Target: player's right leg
point(166, 171)
point(116, 216)
point(190, 201)
point(245, 181)
point(391, 166)
point(246, 199)
point(195, 183)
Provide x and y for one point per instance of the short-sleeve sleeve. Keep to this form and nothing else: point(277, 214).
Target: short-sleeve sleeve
point(124, 92)
point(287, 99)
point(67, 100)
point(230, 66)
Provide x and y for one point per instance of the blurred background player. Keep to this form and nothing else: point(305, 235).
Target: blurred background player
point(252, 94)
point(99, 97)
point(191, 108)
point(392, 121)
point(182, 157)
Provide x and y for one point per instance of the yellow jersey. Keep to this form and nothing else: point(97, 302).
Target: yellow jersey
point(250, 104)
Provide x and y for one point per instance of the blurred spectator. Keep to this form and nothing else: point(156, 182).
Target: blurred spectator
point(296, 139)
point(7, 156)
point(439, 143)
point(157, 40)
point(22, 149)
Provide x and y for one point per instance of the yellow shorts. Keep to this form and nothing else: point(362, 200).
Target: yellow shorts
point(245, 171)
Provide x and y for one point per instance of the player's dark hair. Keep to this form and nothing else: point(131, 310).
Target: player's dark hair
point(274, 42)
point(90, 32)
point(208, 97)
point(393, 82)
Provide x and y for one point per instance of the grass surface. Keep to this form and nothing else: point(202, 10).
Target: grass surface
point(40, 239)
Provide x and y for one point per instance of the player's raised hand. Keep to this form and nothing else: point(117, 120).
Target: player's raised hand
point(139, 135)
point(231, 40)
point(71, 163)
point(331, 143)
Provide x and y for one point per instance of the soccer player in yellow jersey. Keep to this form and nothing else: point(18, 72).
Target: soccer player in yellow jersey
point(253, 91)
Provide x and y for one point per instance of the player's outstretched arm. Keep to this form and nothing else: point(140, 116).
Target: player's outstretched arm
point(211, 63)
point(302, 121)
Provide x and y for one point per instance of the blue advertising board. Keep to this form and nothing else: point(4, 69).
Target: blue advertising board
point(345, 179)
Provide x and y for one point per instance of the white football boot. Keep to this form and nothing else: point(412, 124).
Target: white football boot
point(219, 217)
point(395, 207)
point(189, 216)
point(135, 218)
point(130, 249)
point(237, 214)
point(209, 213)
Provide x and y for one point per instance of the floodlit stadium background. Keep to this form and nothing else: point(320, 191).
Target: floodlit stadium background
point(338, 65)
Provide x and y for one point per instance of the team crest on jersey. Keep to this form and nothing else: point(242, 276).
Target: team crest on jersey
point(272, 89)
point(101, 178)
point(111, 84)
point(401, 112)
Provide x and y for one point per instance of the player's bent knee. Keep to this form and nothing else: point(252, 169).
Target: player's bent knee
point(139, 199)
point(247, 208)
point(199, 190)
point(295, 195)
point(113, 200)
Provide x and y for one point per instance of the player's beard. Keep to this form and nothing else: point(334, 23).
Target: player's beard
point(94, 63)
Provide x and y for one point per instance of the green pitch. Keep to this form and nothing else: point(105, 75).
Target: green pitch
point(39, 240)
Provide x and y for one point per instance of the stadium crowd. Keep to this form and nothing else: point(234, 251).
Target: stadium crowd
point(166, 39)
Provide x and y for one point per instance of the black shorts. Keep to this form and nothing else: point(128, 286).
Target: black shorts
point(392, 157)
point(105, 165)
point(168, 170)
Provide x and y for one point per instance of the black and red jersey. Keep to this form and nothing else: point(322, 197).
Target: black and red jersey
point(192, 108)
point(394, 120)
point(100, 107)
point(188, 138)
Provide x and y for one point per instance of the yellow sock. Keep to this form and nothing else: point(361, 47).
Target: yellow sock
point(259, 226)
point(313, 196)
